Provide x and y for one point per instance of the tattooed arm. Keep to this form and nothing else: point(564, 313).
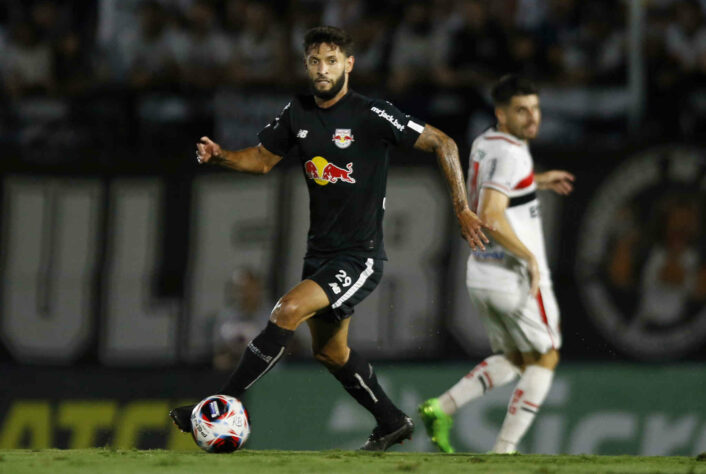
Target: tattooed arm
point(435, 141)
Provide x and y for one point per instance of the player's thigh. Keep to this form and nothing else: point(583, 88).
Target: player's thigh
point(491, 311)
point(346, 280)
point(535, 323)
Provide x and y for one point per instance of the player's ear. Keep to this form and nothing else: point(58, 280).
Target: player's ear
point(500, 115)
point(350, 60)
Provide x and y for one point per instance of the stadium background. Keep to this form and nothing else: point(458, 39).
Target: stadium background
point(118, 253)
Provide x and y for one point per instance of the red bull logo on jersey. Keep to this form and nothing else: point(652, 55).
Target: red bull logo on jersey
point(343, 138)
point(322, 172)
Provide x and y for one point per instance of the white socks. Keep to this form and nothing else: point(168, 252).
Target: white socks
point(493, 372)
point(528, 396)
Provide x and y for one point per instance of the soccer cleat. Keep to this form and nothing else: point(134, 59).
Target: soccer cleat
point(437, 423)
point(380, 441)
point(182, 417)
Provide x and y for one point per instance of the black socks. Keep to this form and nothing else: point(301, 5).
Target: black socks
point(259, 357)
point(358, 378)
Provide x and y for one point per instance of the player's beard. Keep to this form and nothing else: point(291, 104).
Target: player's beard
point(331, 93)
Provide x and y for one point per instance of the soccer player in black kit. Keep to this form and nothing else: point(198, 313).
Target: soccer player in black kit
point(342, 140)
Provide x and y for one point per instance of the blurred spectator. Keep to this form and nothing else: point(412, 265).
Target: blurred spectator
point(478, 50)
point(598, 55)
point(686, 36)
point(673, 68)
point(205, 53)
point(559, 29)
point(50, 20)
point(27, 62)
point(343, 13)
point(115, 19)
point(73, 65)
point(412, 55)
point(525, 55)
point(149, 51)
point(259, 49)
point(371, 49)
point(241, 318)
point(305, 14)
point(530, 15)
point(235, 15)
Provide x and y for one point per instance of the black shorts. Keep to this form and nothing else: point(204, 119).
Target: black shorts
point(346, 280)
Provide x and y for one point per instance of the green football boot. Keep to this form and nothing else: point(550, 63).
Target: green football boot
point(437, 423)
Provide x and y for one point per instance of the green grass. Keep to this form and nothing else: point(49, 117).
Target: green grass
point(107, 461)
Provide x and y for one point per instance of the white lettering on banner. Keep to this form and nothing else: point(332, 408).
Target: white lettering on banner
point(51, 232)
point(233, 226)
point(382, 114)
point(602, 427)
point(663, 436)
point(138, 326)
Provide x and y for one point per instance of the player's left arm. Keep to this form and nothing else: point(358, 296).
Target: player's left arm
point(435, 141)
point(559, 181)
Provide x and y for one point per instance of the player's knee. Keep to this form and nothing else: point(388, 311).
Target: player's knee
point(555, 358)
point(515, 359)
point(550, 359)
point(287, 313)
point(332, 360)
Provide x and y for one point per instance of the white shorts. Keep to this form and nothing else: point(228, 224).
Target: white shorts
point(515, 321)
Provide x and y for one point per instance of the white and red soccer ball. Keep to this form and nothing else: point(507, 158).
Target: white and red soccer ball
point(220, 424)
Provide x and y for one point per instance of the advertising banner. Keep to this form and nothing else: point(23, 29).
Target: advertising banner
point(591, 409)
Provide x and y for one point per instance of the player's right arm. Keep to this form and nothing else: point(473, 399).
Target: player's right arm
point(491, 210)
point(256, 159)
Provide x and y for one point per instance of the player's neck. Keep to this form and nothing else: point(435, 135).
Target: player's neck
point(327, 103)
point(504, 130)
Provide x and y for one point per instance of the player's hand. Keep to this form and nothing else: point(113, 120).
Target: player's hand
point(471, 229)
point(561, 182)
point(206, 150)
point(533, 270)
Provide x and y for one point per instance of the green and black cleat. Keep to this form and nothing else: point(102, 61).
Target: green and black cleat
point(437, 423)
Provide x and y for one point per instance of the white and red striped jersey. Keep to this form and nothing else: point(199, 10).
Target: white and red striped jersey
point(502, 162)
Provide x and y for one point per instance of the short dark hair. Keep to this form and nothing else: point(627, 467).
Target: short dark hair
point(329, 35)
point(511, 85)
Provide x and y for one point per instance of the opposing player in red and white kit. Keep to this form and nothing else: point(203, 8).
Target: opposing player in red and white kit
point(508, 281)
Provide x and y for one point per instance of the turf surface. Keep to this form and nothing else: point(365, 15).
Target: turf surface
point(264, 462)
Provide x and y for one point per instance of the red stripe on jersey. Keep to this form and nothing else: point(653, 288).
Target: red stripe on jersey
point(526, 182)
point(504, 138)
point(534, 405)
point(540, 303)
point(474, 187)
point(490, 381)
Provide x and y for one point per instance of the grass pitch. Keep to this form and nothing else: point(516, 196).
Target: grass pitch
point(107, 461)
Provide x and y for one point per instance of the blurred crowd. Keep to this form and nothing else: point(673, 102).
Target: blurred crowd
point(75, 47)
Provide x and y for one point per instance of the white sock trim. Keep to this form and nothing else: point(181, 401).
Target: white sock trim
point(494, 371)
point(527, 398)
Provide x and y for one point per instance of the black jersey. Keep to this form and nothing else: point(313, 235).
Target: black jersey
point(344, 153)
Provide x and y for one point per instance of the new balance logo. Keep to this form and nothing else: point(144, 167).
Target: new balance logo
point(302, 133)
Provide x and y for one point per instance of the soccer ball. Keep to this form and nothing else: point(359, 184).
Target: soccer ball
point(220, 424)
